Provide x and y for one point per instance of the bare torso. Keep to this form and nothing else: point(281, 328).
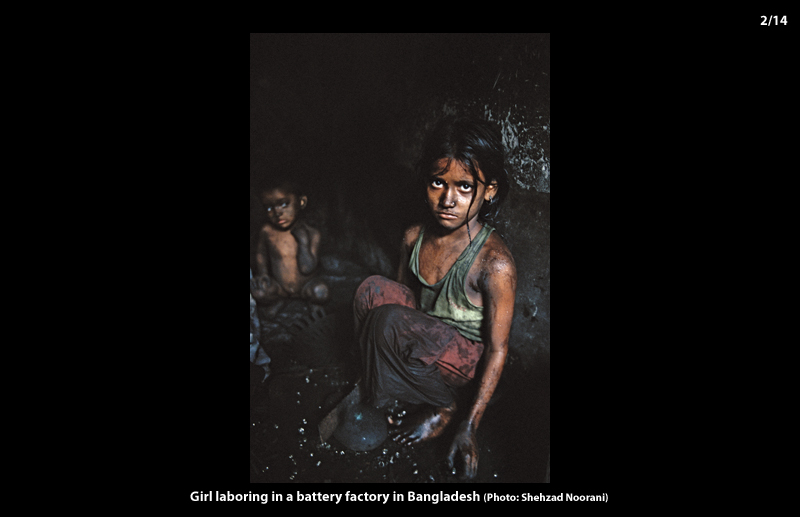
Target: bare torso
point(282, 250)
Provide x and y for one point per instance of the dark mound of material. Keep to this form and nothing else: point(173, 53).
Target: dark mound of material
point(361, 428)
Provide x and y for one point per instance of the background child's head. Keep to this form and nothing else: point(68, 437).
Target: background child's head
point(282, 201)
point(477, 144)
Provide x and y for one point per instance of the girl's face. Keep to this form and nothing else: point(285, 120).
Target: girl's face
point(450, 192)
point(282, 207)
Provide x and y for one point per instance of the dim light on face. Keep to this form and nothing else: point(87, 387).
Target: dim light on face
point(282, 207)
point(451, 190)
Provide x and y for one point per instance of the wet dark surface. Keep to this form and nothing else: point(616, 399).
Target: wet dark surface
point(285, 410)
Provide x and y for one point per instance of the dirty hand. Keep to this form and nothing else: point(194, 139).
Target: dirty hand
point(259, 286)
point(466, 444)
point(300, 233)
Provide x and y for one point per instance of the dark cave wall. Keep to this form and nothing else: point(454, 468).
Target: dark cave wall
point(346, 114)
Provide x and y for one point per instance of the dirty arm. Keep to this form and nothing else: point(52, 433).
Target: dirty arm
point(499, 287)
point(262, 256)
point(409, 239)
point(307, 248)
point(262, 285)
point(401, 270)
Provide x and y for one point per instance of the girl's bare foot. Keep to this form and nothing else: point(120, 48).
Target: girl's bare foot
point(424, 425)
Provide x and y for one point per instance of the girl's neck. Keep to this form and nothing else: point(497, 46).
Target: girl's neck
point(458, 234)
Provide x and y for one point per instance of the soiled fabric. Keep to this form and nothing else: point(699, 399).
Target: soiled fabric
point(408, 355)
point(446, 299)
point(257, 354)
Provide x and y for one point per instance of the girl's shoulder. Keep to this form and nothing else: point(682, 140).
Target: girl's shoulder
point(495, 257)
point(411, 234)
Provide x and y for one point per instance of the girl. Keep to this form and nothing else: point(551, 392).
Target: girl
point(421, 337)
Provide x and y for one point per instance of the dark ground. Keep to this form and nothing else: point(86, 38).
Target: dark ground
point(315, 365)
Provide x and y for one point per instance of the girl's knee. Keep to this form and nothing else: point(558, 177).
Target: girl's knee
point(378, 290)
point(371, 283)
point(367, 292)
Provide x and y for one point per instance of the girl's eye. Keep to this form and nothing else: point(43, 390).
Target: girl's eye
point(466, 187)
point(436, 183)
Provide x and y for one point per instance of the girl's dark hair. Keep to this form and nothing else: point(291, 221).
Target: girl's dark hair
point(477, 144)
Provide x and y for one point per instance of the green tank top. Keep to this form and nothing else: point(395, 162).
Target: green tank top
point(447, 299)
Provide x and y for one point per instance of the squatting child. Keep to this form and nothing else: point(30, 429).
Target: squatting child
point(287, 252)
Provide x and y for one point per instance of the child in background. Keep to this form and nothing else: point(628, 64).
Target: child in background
point(287, 253)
